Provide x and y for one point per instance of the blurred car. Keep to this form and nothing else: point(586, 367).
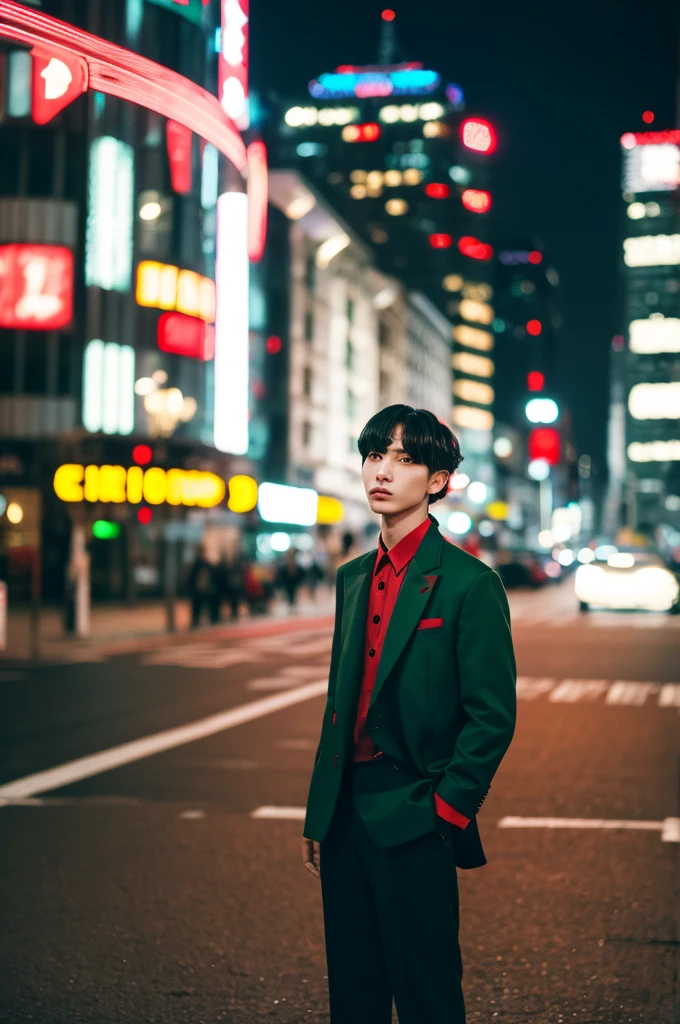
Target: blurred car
point(628, 581)
point(520, 569)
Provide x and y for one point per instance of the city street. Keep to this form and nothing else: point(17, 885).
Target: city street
point(163, 882)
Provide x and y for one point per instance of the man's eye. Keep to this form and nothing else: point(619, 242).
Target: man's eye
point(406, 458)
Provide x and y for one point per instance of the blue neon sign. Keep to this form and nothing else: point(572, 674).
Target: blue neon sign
point(366, 84)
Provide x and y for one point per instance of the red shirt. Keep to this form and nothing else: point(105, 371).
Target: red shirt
point(388, 575)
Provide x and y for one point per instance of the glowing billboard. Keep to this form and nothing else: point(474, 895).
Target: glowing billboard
point(109, 387)
point(108, 238)
point(36, 287)
point(231, 326)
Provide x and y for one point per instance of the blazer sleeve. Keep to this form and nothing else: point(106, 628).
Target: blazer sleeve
point(487, 680)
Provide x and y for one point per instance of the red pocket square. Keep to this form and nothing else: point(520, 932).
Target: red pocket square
point(430, 623)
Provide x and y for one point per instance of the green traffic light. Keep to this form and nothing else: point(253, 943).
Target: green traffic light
point(103, 530)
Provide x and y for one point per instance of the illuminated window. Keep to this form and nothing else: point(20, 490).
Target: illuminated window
point(652, 168)
point(108, 242)
point(655, 401)
point(109, 388)
point(476, 366)
point(652, 251)
point(435, 130)
point(473, 337)
point(460, 175)
point(654, 451)
point(473, 419)
point(412, 176)
point(19, 84)
point(476, 312)
point(479, 290)
point(358, 177)
point(654, 335)
point(210, 177)
point(396, 207)
point(393, 178)
point(361, 133)
point(452, 283)
point(473, 391)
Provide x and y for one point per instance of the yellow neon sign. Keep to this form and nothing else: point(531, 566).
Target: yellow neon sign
point(74, 483)
point(162, 286)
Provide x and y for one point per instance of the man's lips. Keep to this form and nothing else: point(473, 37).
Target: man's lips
point(381, 491)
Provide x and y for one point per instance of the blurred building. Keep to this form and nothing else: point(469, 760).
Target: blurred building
point(108, 302)
point(392, 149)
point(651, 327)
point(333, 340)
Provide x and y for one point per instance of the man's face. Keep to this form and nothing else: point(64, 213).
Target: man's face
point(394, 482)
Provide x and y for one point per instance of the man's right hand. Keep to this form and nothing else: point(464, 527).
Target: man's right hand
point(310, 856)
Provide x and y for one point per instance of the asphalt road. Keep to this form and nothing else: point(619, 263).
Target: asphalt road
point(162, 881)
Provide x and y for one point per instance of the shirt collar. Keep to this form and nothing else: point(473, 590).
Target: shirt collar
point(402, 552)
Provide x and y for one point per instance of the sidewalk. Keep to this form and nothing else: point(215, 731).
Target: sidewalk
point(120, 629)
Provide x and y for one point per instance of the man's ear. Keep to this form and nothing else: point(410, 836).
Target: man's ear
point(438, 480)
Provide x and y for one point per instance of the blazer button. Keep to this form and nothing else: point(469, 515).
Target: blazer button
point(371, 653)
point(335, 760)
point(335, 717)
point(424, 590)
point(381, 585)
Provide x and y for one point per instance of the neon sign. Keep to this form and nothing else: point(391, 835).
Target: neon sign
point(231, 328)
point(652, 251)
point(118, 72)
point(478, 135)
point(366, 83)
point(109, 387)
point(192, 10)
point(632, 139)
point(36, 287)
point(472, 247)
point(108, 239)
point(57, 81)
point(233, 61)
point(178, 140)
point(186, 336)
point(162, 286)
point(476, 200)
point(76, 483)
point(258, 196)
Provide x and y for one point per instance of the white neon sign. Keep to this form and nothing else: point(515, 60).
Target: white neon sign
point(656, 334)
point(233, 61)
point(109, 388)
point(231, 324)
point(108, 242)
point(652, 251)
point(655, 401)
point(278, 503)
point(654, 168)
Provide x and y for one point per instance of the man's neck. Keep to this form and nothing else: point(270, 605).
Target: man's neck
point(395, 527)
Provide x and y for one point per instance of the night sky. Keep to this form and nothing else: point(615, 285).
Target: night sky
point(561, 83)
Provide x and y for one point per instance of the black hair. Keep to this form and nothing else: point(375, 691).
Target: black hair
point(428, 441)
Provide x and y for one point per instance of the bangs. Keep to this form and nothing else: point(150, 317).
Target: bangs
point(421, 436)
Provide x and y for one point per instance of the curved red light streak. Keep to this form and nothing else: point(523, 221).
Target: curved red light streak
point(119, 72)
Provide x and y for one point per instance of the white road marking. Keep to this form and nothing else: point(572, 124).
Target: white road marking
point(126, 753)
point(529, 689)
point(669, 696)
point(286, 677)
point(571, 690)
point(622, 692)
point(203, 656)
point(192, 815)
point(669, 827)
point(292, 813)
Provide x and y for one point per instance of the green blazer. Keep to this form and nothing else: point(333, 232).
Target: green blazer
point(444, 703)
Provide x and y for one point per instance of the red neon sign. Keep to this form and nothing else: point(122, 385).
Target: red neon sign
point(258, 194)
point(478, 134)
point(186, 336)
point(534, 328)
point(440, 241)
point(178, 139)
point(535, 380)
point(57, 81)
point(119, 72)
point(437, 190)
point(472, 247)
point(36, 287)
point(476, 200)
point(233, 61)
point(632, 139)
point(544, 443)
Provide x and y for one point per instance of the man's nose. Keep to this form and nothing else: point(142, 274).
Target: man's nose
point(383, 471)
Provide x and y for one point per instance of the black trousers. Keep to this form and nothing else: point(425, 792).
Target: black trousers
point(390, 919)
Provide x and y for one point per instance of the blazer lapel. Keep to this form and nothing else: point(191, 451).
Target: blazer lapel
point(414, 594)
point(353, 629)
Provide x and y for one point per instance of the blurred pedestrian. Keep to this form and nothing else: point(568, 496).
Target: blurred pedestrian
point(204, 589)
point(232, 583)
point(290, 576)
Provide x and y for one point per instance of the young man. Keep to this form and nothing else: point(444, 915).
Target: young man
point(420, 711)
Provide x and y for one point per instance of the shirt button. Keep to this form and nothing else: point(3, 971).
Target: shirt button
point(371, 653)
point(376, 619)
point(381, 585)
